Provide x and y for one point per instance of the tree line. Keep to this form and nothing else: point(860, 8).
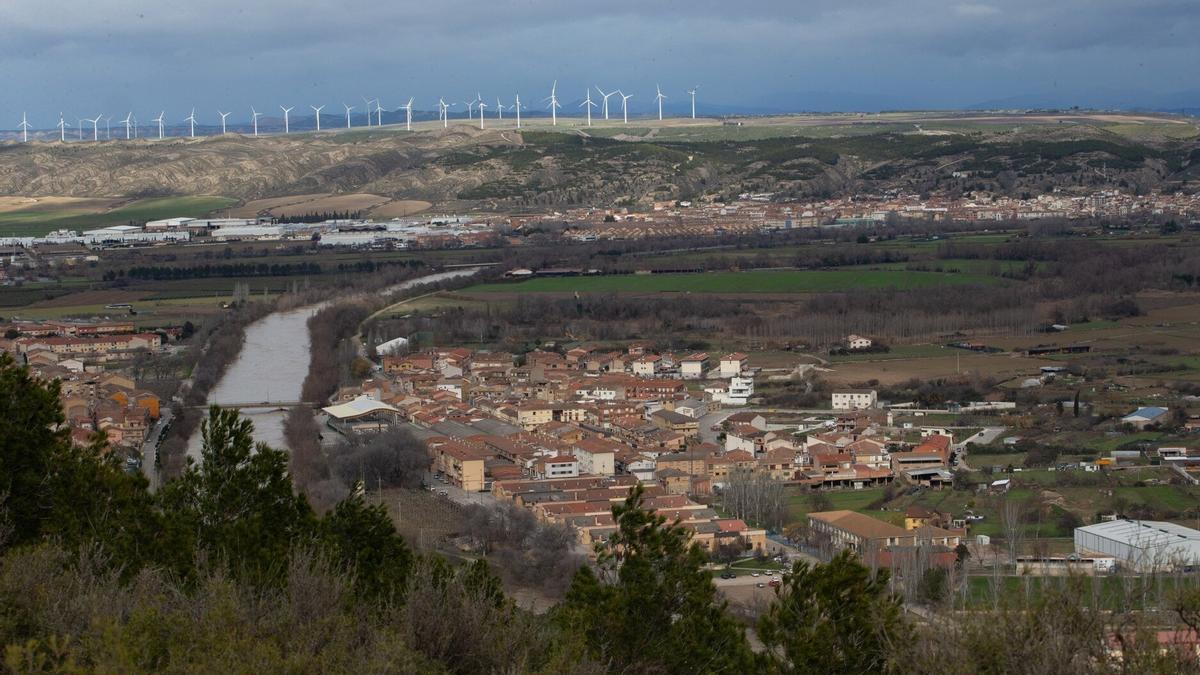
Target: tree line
point(227, 568)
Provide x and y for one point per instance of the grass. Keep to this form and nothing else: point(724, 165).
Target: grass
point(849, 500)
point(794, 281)
point(36, 223)
point(1110, 443)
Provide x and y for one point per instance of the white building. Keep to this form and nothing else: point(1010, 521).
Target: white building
point(647, 366)
point(1142, 545)
point(692, 367)
point(858, 342)
point(855, 399)
point(733, 364)
point(562, 466)
point(738, 392)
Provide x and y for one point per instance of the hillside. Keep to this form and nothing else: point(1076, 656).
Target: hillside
point(507, 170)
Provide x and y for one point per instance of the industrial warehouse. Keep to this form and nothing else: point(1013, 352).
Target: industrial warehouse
point(1142, 545)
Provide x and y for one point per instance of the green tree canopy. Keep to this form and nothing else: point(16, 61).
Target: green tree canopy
point(833, 618)
point(653, 607)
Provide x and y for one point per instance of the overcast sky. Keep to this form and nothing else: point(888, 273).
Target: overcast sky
point(85, 57)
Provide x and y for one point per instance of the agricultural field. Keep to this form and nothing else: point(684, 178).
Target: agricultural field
point(84, 214)
point(796, 281)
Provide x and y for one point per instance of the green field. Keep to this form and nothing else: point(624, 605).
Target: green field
point(36, 223)
point(797, 281)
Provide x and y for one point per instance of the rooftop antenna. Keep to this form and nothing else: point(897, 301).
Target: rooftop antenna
point(588, 105)
point(625, 105)
point(317, 110)
point(24, 129)
point(223, 116)
point(554, 106)
point(692, 92)
point(611, 93)
point(286, 125)
point(62, 128)
point(128, 122)
point(254, 115)
point(159, 119)
point(408, 114)
point(482, 105)
point(659, 98)
point(191, 120)
point(348, 109)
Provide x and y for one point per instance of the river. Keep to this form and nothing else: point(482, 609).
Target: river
point(274, 362)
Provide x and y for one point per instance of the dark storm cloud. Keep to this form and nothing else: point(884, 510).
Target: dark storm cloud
point(120, 54)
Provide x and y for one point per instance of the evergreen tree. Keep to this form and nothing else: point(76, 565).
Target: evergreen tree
point(654, 607)
point(363, 539)
point(31, 433)
point(833, 618)
point(237, 503)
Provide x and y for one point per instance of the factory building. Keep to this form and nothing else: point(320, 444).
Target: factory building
point(1141, 545)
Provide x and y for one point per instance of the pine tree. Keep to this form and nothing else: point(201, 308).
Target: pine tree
point(654, 607)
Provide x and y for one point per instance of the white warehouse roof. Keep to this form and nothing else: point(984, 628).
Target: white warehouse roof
point(359, 407)
point(1156, 542)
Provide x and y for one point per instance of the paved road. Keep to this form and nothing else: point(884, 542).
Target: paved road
point(459, 495)
point(149, 448)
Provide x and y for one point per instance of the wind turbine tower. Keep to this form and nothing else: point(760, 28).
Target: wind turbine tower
point(254, 115)
point(499, 109)
point(318, 110)
point(62, 128)
point(659, 98)
point(611, 93)
point(191, 120)
point(223, 116)
point(159, 119)
point(588, 105)
point(444, 112)
point(379, 111)
point(286, 125)
point(408, 114)
point(625, 105)
point(517, 105)
point(24, 129)
point(367, 105)
point(348, 109)
point(95, 127)
point(554, 106)
point(692, 92)
point(128, 122)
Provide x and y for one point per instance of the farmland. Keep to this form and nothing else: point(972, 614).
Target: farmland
point(791, 281)
point(82, 214)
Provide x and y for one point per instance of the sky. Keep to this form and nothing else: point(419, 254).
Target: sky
point(89, 57)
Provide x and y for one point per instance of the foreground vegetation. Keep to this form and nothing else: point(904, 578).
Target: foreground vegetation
point(228, 569)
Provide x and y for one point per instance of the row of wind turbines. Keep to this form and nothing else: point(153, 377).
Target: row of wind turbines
point(374, 116)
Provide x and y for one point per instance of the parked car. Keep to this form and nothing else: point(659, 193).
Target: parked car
point(728, 575)
point(775, 583)
point(760, 585)
point(754, 574)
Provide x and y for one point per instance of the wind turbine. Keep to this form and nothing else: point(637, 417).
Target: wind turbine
point(108, 128)
point(159, 119)
point(318, 110)
point(692, 92)
point(81, 129)
point(95, 127)
point(135, 133)
point(348, 109)
point(482, 105)
point(223, 116)
point(443, 112)
point(286, 127)
point(518, 107)
point(408, 114)
point(659, 98)
point(24, 129)
point(588, 105)
point(128, 122)
point(191, 120)
point(625, 105)
point(379, 111)
point(611, 93)
point(254, 115)
point(367, 105)
point(62, 128)
point(499, 109)
point(554, 106)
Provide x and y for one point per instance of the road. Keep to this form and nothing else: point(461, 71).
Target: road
point(150, 447)
point(459, 495)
